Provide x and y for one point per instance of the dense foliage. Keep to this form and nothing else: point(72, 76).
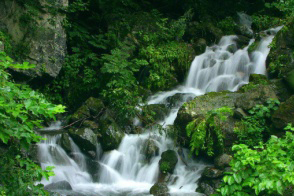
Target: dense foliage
point(206, 133)
point(268, 169)
point(254, 128)
point(21, 111)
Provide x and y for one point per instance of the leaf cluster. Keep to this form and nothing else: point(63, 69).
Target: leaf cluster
point(206, 133)
point(252, 129)
point(21, 111)
point(268, 169)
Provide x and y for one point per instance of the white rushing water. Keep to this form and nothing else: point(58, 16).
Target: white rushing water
point(126, 171)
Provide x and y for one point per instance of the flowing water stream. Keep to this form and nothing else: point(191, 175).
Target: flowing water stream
point(124, 171)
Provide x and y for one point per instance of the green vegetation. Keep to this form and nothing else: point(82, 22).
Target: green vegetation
point(121, 51)
point(21, 111)
point(206, 134)
point(254, 128)
point(265, 170)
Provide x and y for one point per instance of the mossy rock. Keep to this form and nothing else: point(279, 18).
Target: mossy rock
point(252, 97)
point(159, 189)
point(168, 161)
point(202, 104)
point(284, 114)
point(110, 139)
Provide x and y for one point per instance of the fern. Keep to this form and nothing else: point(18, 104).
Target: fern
point(206, 134)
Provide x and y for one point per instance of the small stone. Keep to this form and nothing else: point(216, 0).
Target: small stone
point(159, 189)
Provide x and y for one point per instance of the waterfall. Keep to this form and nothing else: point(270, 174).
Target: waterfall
point(125, 171)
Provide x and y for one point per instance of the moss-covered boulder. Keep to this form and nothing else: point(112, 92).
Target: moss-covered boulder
point(159, 189)
point(199, 107)
point(168, 161)
point(284, 114)
point(204, 103)
point(253, 96)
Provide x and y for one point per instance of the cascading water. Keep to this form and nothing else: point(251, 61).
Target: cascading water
point(126, 171)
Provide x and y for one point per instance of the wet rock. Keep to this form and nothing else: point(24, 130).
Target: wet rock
point(65, 142)
point(154, 113)
point(61, 185)
point(159, 189)
point(254, 96)
point(85, 138)
point(110, 135)
point(284, 114)
point(222, 161)
point(168, 161)
point(150, 149)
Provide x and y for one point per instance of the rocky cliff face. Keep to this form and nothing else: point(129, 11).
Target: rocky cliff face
point(37, 32)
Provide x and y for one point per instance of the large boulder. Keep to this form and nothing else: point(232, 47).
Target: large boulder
point(85, 138)
point(159, 189)
point(41, 38)
point(198, 107)
point(168, 161)
point(284, 114)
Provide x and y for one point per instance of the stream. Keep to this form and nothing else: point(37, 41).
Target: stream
point(124, 171)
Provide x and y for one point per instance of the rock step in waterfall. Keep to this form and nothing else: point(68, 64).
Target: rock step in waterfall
point(129, 169)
